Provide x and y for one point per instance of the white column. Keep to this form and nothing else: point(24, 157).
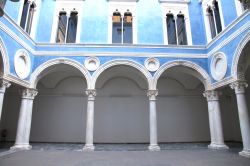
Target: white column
point(89, 146)
point(215, 123)
point(24, 121)
point(153, 120)
point(3, 85)
point(239, 87)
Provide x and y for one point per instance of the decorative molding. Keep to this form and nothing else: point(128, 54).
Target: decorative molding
point(22, 63)
point(122, 0)
point(91, 93)
point(152, 94)
point(205, 76)
point(218, 66)
point(3, 85)
point(174, 1)
point(92, 63)
point(152, 64)
point(29, 93)
point(118, 62)
point(5, 58)
point(212, 95)
point(37, 74)
point(239, 86)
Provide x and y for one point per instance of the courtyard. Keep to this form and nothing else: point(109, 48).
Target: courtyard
point(174, 154)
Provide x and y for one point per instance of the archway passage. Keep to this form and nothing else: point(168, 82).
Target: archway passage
point(59, 111)
point(121, 107)
point(181, 107)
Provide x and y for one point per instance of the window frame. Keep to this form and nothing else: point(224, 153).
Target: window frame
point(175, 8)
point(68, 7)
point(122, 7)
point(205, 5)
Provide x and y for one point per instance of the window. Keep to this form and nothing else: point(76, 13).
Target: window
point(27, 15)
point(122, 27)
point(214, 20)
point(176, 24)
point(67, 27)
point(176, 29)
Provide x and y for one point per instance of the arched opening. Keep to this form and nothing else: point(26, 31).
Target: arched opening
point(121, 109)
point(59, 111)
point(182, 109)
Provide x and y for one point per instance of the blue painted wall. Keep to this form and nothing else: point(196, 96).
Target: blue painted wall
point(94, 27)
point(197, 23)
point(149, 22)
point(12, 9)
point(229, 11)
point(44, 26)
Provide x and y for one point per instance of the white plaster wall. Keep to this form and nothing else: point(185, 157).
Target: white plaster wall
point(59, 113)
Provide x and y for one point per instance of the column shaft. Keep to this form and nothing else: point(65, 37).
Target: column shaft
point(3, 85)
point(89, 146)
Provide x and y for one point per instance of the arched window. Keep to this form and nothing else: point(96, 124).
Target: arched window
point(217, 16)
point(122, 29)
point(127, 27)
point(181, 29)
point(67, 27)
point(62, 26)
point(72, 27)
point(27, 15)
point(171, 29)
point(211, 22)
point(117, 27)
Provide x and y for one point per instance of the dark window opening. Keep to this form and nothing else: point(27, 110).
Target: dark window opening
point(72, 28)
point(27, 16)
point(117, 27)
point(217, 17)
point(181, 29)
point(171, 30)
point(211, 22)
point(62, 26)
point(127, 28)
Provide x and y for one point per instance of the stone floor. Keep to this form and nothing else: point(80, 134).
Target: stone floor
point(172, 154)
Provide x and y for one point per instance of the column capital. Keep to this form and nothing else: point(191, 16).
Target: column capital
point(212, 95)
point(91, 93)
point(239, 86)
point(29, 93)
point(152, 94)
point(3, 85)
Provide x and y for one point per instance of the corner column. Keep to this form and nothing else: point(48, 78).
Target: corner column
point(153, 120)
point(3, 85)
point(24, 121)
point(215, 123)
point(89, 146)
point(239, 87)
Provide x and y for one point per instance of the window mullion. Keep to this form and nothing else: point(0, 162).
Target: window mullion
point(213, 7)
point(122, 29)
point(66, 30)
point(176, 30)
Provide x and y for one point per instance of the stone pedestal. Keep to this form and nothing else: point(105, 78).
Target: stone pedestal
point(215, 123)
point(239, 87)
point(3, 85)
point(89, 146)
point(153, 120)
point(24, 121)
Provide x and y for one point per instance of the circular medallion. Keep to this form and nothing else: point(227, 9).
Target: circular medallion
point(218, 66)
point(22, 64)
point(92, 63)
point(152, 64)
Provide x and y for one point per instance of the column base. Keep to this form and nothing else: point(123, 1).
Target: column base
point(154, 148)
point(88, 148)
point(21, 147)
point(245, 153)
point(218, 146)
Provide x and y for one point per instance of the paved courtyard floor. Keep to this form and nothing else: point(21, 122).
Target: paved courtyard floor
point(123, 155)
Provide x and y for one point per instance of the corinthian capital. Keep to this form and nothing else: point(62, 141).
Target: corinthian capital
point(211, 95)
point(239, 86)
point(3, 85)
point(91, 93)
point(29, 93)
point(152, 94)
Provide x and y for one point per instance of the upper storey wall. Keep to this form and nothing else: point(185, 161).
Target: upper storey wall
point(95, 18)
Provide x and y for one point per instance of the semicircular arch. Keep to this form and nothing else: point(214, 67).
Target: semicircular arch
point(5, 58)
